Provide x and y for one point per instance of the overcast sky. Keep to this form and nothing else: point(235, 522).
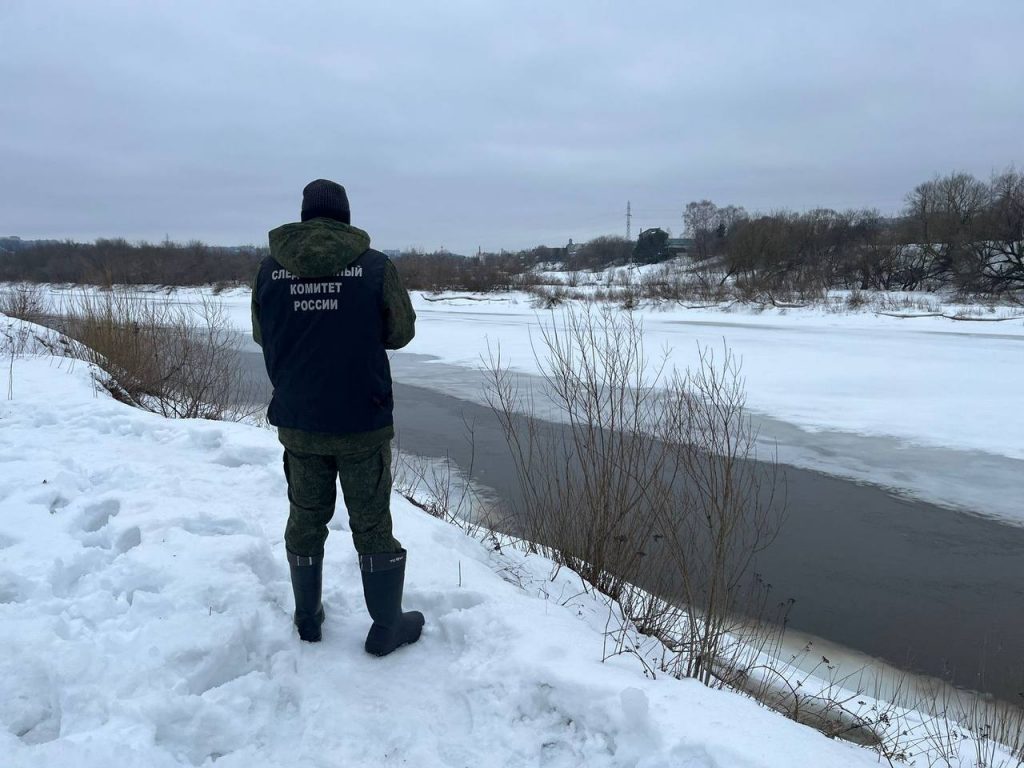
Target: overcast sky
point(491, 124)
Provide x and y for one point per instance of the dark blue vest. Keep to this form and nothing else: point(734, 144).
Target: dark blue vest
point(323, 344)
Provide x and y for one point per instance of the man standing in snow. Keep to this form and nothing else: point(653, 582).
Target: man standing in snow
point(325, 307)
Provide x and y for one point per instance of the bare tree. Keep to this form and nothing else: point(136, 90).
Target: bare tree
point(701, 220)
point(948, 213)
point(999, 257)
point(729, 216)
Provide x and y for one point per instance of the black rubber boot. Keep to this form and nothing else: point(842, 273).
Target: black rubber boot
point(307, 581)
point(383, 580)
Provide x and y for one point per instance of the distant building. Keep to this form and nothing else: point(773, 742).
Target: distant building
point(677, 246)
point(653, 245)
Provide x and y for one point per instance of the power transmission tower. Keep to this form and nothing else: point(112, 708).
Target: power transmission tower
point(629, 219)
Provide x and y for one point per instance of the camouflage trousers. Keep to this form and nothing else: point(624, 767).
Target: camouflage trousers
point(365, 477)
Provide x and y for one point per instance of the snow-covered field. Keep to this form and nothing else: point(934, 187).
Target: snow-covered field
point(144, 616)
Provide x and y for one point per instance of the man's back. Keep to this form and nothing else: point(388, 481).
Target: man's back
point(325, 308)
point(322, 324)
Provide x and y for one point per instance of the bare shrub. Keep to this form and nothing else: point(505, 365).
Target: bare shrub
point(722, 513)
point(177, 360)
point(995, 731)
point(435, 488)
point(953, 728)
point(21, 337)
point(547, 297)
point(582, 498)
point(650, 493)
point(24, 302)
point(701, 285)
point(15, 340)
point(855, 300)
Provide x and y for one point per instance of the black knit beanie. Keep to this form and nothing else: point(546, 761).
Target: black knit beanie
point(325, 198)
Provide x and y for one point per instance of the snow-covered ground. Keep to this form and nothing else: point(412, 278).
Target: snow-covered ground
point(144, 616)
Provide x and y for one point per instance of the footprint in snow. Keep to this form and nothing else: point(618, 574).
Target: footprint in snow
point(52, 500)
point(127, 540)
point(30, 707)
point(13, 588)
point(97, 531)
point(64, 576)
point(97, 516)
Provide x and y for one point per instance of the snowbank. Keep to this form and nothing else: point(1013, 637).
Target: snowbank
point(144, 613)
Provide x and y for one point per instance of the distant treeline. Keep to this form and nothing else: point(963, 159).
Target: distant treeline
point(507, 270)
point(955, 232)
point(116, 261)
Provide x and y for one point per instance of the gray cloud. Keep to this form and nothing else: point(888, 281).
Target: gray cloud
point(499, 125)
